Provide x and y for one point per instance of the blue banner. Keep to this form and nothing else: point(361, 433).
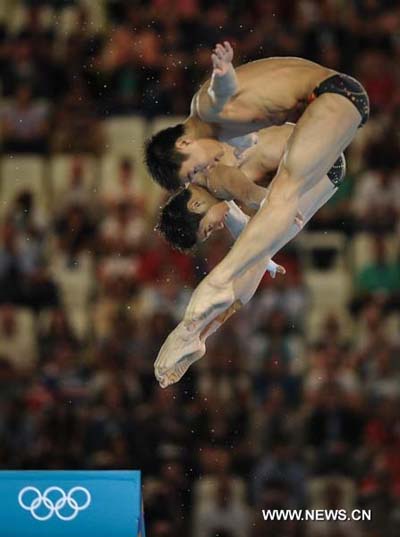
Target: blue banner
point(71, 504)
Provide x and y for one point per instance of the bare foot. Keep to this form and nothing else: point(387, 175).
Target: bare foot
point(175, 374)
point(179, 351)
point(186, 344)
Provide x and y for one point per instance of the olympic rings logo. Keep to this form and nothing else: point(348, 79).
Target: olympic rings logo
point(61, 506)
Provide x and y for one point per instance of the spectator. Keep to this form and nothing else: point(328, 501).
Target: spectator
point(274, 420)
point(23, 274)
point(25, 124)
point(332, 495)
point(276, 375)
point(377, 193)
point(383, 375)
point(333, 431)
point(77, 129)
point(222, 514)
point(122, 230)
point(280, 470)
point(10, 265)
point(20, 68)
point(378, 79)
point(126, 188)
point(381, 278)
point(329, 363)
point(76, 192)
point(75, 231)
point(27, 217)
point(17, 343)
point(57, 333)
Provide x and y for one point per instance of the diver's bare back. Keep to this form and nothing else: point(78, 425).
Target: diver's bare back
point(270, 91)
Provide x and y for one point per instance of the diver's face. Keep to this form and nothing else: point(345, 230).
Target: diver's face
point(214, 211)
point(201, 156)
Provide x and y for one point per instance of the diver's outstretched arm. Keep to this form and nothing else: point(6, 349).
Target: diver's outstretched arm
point(223, 84)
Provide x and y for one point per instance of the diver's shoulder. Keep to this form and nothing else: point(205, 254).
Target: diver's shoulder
point(284, 61)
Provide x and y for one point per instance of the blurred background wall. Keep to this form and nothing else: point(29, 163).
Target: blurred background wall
point(297, 401)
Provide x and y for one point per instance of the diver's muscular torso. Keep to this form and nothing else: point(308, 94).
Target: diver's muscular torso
point(270, 92)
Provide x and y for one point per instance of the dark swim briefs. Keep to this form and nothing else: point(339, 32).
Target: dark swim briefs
point(337, 172)
point(348, 87)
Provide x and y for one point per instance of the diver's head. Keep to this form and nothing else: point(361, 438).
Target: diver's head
point(173, 157)
point(190, 217)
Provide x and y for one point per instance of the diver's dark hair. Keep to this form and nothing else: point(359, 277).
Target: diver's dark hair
point(177, 223)
point(162, 158)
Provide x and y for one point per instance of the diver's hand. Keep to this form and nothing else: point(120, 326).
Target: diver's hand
point(274, 269)
point(242, 145)
point(222, 57)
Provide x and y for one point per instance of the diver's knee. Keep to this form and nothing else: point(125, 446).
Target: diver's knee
point(286, 185)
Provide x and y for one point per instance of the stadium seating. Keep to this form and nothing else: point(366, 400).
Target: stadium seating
point(109, 173)
point(125, 136)
point(19, 173)
point(61, 169)
point(76, 282)
point(362, 249)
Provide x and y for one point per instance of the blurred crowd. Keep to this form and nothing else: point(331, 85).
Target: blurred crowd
point(87, 60)
point(297, 403)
